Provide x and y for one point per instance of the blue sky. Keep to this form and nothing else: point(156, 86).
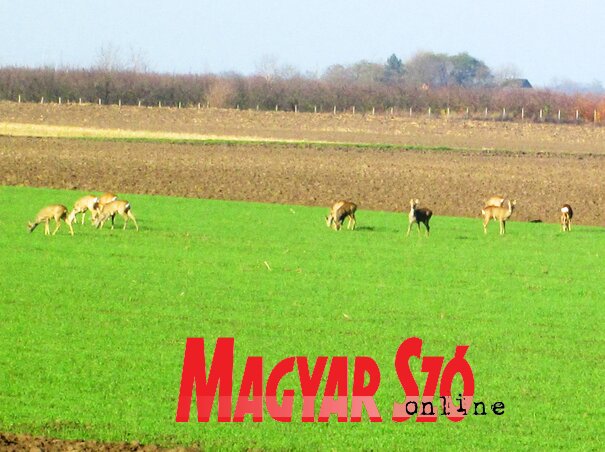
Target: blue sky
point(544, 40)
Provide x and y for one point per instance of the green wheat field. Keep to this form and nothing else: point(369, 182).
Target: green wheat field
point(93, 327)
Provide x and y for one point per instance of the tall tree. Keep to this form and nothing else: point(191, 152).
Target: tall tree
point(393, 69)
point(468, 71)
point(429, 68)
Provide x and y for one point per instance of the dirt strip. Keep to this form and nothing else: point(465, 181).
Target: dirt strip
point(10, 442)
point(398, 129)
point(450, 183)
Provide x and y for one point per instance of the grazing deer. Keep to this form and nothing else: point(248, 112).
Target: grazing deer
point(83, 205)
point(339, 211)
point(500, 214)
point(106, 198)
point(566, 216)
point(496, 201)
point(110, 210)
point(57, 212)
point(419, 215)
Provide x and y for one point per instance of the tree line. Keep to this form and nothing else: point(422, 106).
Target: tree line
point(428, 80)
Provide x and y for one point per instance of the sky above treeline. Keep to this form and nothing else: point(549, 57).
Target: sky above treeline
point(543, 40)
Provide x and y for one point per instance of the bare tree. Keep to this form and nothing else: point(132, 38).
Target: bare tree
point(507, 72)
point(267, 67)
point(137, 61)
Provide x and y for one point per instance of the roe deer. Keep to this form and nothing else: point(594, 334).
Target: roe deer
point(57, 212)
point(500, 214)
point(339, 211)
point(83, 205)
point(419, 215)
point(106, 198)
point(110, 210)
point(566, 216)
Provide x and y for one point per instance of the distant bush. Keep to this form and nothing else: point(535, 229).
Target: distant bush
point(339, 88)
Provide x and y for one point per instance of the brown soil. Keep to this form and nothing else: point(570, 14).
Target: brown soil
point(354, 128)
point(17, 443)
point(450, 183)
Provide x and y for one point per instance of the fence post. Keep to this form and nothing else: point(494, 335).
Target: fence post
point(120, 103)
point(466, 112)
point(353, 109)
point(485, 112)
point(559, 116)
point(295, 108)
point(540, 114)
point(314, 108)
point(159, 104)
point(276, 107)
point(140, 104)
point(99, 101)
point(522, 113)
point(334, 109)
point(59, 100)
point(179, 105)
point(42, 100)
point(503, 113)
point(577, 115)
point(392, 110)
point(594, 116)
point(429, 112)
point(411, 111)
point(19, 98)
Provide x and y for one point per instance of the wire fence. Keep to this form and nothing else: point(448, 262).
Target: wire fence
point(517, 114)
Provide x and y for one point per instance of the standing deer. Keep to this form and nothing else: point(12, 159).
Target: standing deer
point(57, 212)
point(566, 216)
point(500, 214)
point(110, 210)
point(83, 205)
point(419, 215)
point(339, 211)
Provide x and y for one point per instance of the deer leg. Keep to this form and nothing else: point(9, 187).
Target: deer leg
point(428, 228)
point(58, 223)
point(409, 229)
point(83, 217)
point(112, 220)
point(46, 227)
point(134, 220)
point(125, 217)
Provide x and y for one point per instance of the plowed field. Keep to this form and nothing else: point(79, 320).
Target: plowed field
point(453, 183)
